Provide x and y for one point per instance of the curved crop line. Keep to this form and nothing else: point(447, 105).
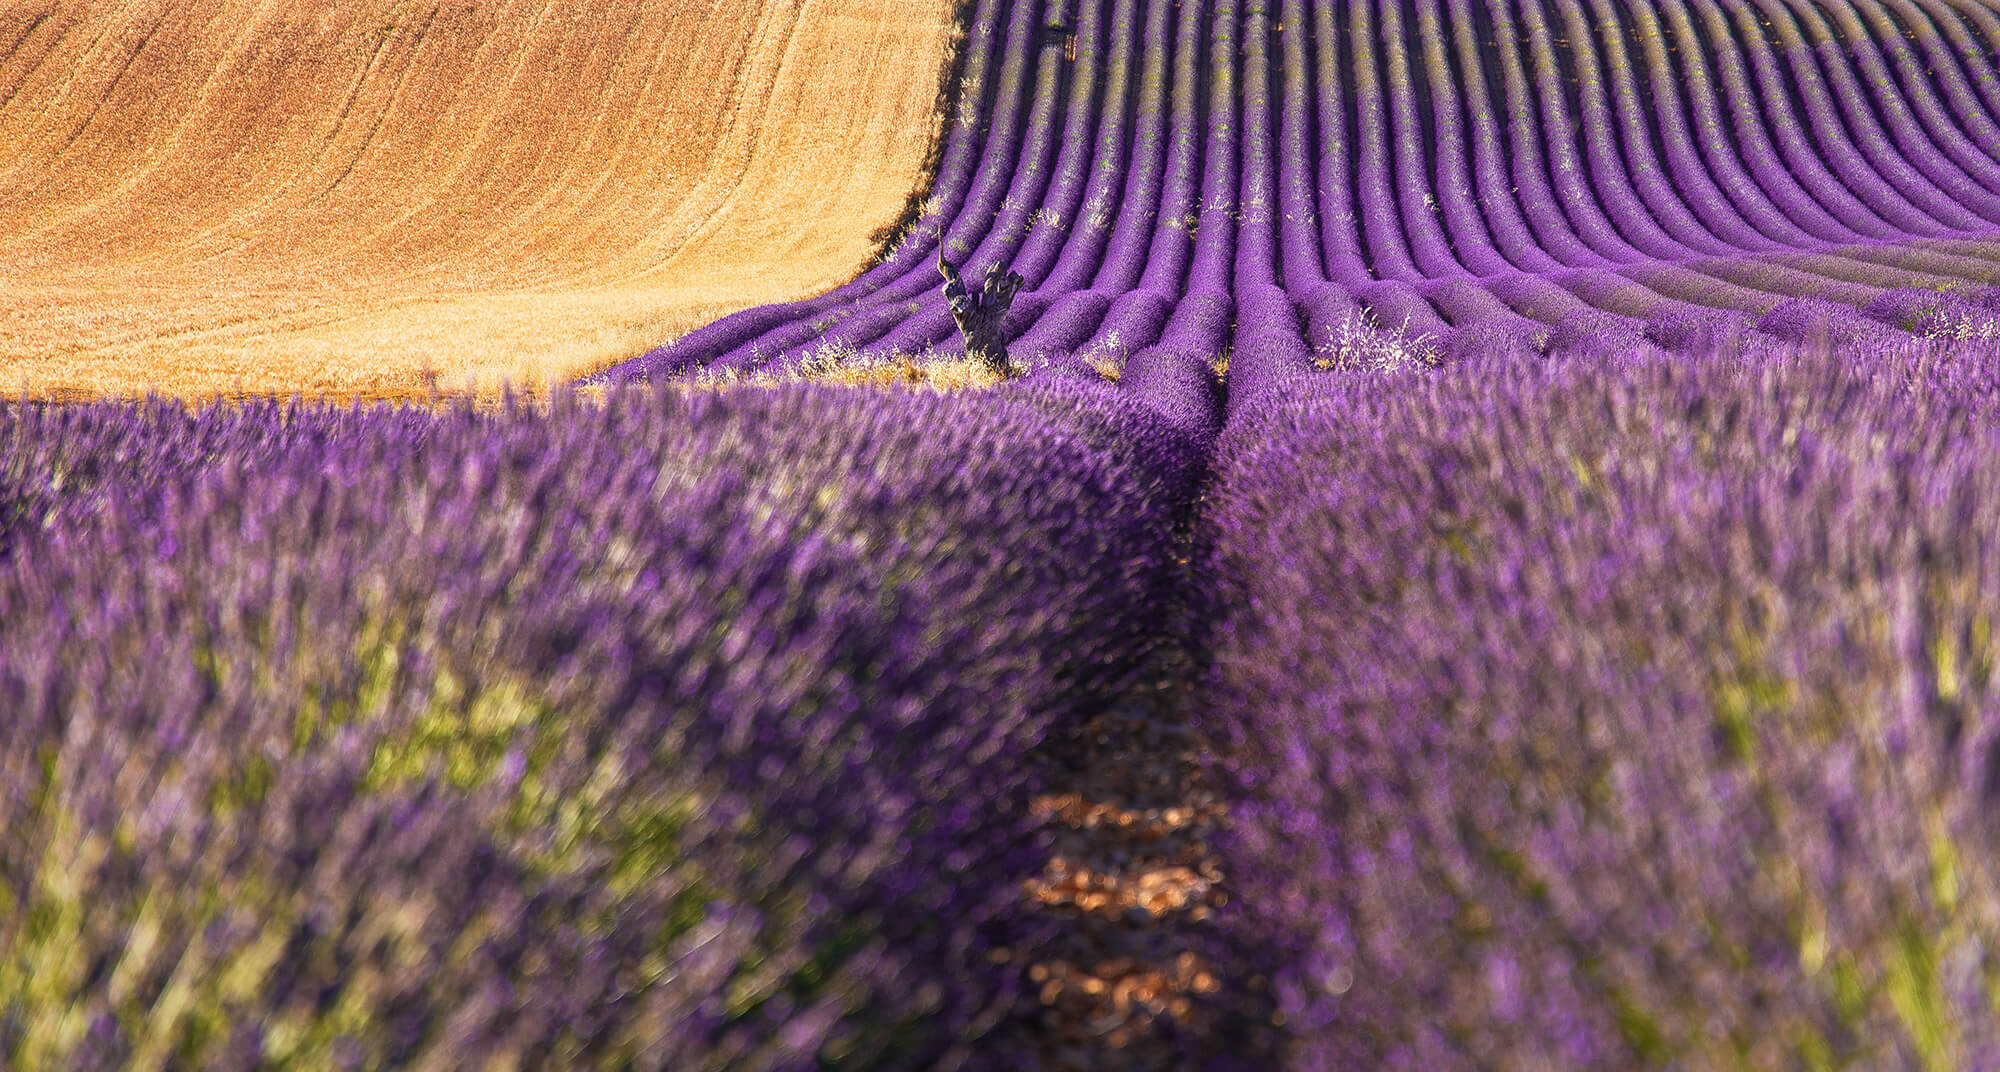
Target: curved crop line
point(1340, 223)
point(1289, 176)
point(1829, 169)
point(244, 214)
point(103, 96)
point(1554, 217)
point(1138, 190)
point(1950, 179)
point(1039, 230)
point(1156, 191)
point(1880, 152)
point(1964, 132)
point(1602, 207)
point(1256, 262)
point(1301, 264)
point(1456, 184)
point(985, 240)
point(105, 39)
point(1167, 254)
point(1733, 273)
point(623, 135)
point(1215, 223)
point(1974, 32)
point(753, 78)
point(1981, 267)
point(964, 154)
point(388, 104)
point(1068, 236)
point(999, 167)
point(1717, 176)
point(1680, 188)
point(1415, 197)
point(890, 283)
point(1618, 142)
point(1493, 185)
point(136, 176)
point(14, 47)
point(1389, 249)
point(1092, 145)
point(1732, 114)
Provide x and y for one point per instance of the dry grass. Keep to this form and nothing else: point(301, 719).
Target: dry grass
point(1105, 365)
point(339, 198)
point(1360, 344)
point(896, 372)
point(846, 368)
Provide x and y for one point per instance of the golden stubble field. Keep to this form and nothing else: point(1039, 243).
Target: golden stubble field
point(345, 196)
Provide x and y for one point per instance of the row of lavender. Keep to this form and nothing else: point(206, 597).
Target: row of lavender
point(1477, 174)
point(681, 732)
point(1618, 713)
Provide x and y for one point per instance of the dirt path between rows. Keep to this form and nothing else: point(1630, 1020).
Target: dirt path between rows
point(1136, 976)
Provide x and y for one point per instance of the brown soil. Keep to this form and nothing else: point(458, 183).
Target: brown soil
point(1131, 980)
point(336, 197)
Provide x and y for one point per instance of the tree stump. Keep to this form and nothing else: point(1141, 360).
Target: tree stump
point(981, 313)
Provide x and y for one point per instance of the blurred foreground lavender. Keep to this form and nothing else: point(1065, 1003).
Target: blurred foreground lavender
point(1589, 713)
point(1618, 713)
point(681, 732)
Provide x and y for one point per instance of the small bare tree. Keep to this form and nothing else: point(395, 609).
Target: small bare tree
point(981, 313)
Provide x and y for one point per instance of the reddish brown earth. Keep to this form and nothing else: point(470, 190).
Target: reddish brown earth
point(1134, 882)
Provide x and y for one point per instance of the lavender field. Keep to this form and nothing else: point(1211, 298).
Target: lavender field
point(1545, 447)
point(1445, 177)
point(672, 731)
point(1626, 712)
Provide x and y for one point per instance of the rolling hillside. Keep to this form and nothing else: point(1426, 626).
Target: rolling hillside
point(1489, 563)
point(335, 197)
point(1475, 175)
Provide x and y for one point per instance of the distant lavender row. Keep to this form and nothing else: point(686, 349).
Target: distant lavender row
point(1476, 174)
point(1607, 714)
point(684, 732)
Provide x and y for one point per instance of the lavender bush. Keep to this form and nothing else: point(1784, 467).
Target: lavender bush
point(1620, 712)
point(680, 732)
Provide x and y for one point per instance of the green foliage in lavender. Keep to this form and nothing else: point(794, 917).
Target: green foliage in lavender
point(677, 732)
point(1607, 714)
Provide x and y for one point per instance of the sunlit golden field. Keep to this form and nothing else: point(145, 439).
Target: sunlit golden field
point(344, 197)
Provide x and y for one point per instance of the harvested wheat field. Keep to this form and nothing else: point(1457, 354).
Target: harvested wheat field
point(337, 198)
